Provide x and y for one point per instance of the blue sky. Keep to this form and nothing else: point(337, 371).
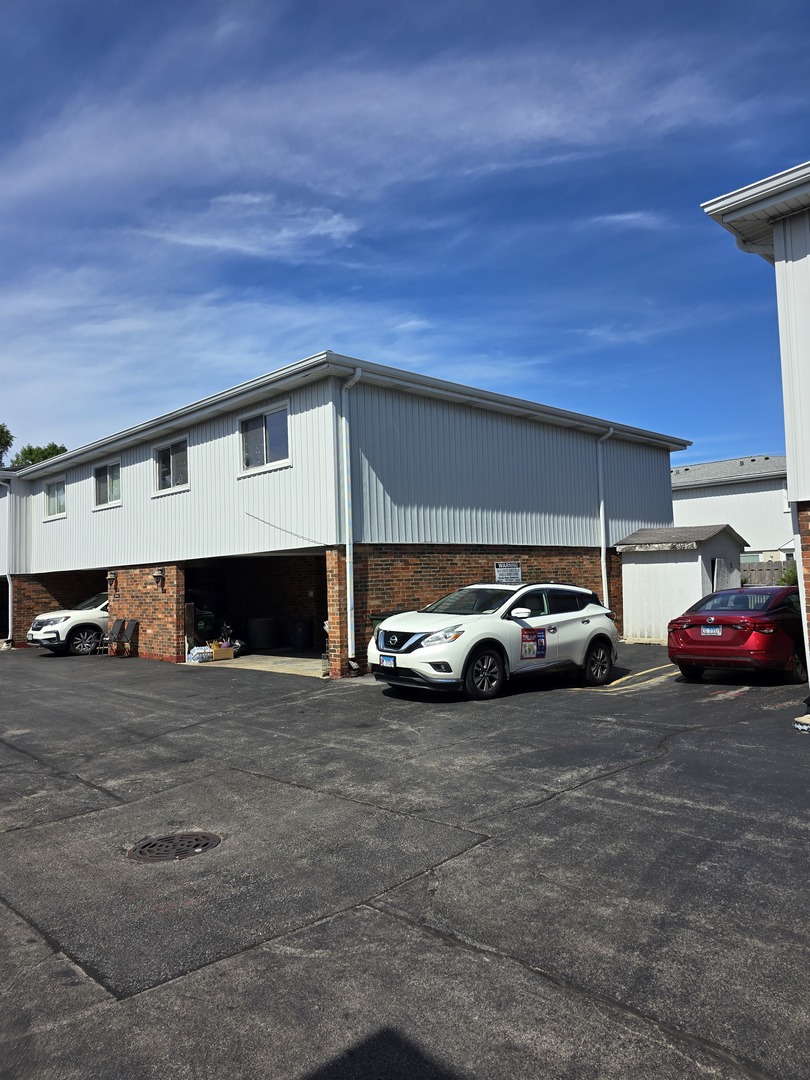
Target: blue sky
point(501, 194)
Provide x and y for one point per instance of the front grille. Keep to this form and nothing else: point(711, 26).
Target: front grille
point(398, 640)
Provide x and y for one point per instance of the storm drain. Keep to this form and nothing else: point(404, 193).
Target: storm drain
point(176, 846)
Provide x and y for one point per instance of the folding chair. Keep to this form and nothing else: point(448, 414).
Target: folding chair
point(110, 637)
point(125, 640)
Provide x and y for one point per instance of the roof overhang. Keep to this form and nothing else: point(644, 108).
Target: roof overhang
point(328, 364)
point(749, 213)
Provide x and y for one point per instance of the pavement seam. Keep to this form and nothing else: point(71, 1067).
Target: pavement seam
point(63, 775)
point(747, 1068)
point(662, 749)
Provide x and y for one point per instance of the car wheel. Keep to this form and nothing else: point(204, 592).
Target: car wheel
point(798, 666)
point(485, 674)
point(691, 672)
point(598, 665)
point(83, 642)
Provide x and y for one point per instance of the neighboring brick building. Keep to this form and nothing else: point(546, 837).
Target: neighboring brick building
point(333, 490)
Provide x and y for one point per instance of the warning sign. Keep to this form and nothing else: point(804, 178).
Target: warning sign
point(508, 573)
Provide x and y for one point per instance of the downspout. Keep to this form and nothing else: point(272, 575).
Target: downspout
point(7, 484)
point(600, 480)
point(347, 512)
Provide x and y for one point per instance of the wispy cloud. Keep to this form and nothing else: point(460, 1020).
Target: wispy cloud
point(632, 219)
point(254, 224)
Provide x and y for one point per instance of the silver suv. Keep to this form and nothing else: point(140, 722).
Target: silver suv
point(77, 630)
point(479, 636)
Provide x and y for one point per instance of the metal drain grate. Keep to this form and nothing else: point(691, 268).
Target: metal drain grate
point(176, 846)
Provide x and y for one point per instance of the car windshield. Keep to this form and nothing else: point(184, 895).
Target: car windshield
point(470, 602)
point(734, 601)
point(93, 602)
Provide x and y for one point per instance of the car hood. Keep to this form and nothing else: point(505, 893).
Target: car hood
point(61, 612)
point(425, 621)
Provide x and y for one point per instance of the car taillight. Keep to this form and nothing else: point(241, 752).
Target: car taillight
point(679, 624)
point(611, 615)
point(754, 626)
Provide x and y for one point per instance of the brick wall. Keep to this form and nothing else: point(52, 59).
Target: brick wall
point(804, 566)
point(158, 609)
point(399, 577)
point(35, 594)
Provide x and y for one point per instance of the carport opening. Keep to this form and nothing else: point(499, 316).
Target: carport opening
point(275, 604)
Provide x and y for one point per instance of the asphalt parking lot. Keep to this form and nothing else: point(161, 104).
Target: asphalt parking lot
point(562, 882)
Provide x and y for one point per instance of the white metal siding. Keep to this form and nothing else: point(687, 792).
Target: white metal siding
point(656, 587)
point(791, 238)
point(224, 511)
point(434, 472)
point(757, 510)
point(5, 501)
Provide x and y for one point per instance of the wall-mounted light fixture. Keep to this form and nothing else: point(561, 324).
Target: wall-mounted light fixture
point(112, 578)
point(159, 575)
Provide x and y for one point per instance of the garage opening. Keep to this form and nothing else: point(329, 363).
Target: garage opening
point(276, 604)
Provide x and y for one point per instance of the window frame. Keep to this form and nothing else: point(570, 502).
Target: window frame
point(110, 502)
point(276, 463)
point(159, 492)
point(45, 488)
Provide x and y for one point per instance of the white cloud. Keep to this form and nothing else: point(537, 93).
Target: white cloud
point(254, 224)
point(632, 219)
point(358, 129)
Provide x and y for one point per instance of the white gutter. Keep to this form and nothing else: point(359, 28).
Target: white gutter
point(347, 510)
point(7, 484)
point(600, 475)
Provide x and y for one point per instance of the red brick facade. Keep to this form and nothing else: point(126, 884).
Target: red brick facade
point(803, 565)
point(158, 607)
point(35, 594)
point(305, 589)
point(394, 577)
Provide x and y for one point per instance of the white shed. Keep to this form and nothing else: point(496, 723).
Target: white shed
point(665, 571)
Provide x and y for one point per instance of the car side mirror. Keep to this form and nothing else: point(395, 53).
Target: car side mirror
point(520, 613)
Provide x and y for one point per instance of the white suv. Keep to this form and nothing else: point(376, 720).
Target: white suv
point(77, 630)
point(479, 636)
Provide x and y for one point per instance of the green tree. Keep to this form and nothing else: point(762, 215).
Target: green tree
point(790, 575)
point(6, 439)
point(32, 455)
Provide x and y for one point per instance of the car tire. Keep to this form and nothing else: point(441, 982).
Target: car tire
point(798, 666)
point(691, 672)
point(598, 666)
point(485, 674)
point(84, 641)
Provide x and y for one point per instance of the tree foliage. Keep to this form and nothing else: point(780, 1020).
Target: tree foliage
point(6, 439)
point(32, 455)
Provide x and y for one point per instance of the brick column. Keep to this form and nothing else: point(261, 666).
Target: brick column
point(336, 611)
point(803, 556)
point(158, 607)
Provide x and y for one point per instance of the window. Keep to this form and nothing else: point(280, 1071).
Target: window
point(172, 465)
point(107, 480)
point(561, 602)
point(55, 498)
point(265, 440)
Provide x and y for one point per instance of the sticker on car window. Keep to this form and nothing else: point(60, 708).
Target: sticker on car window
point(532, 644)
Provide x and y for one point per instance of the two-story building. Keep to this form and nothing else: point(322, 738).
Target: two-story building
point(330, 489)
point(747, 493)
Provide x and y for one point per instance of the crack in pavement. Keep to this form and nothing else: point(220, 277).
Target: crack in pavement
point(748, 1069)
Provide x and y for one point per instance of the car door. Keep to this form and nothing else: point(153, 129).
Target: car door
point(530, 645)
point(569, 625)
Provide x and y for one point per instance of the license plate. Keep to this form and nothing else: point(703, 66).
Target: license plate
point(711, 631)
point(388, 661)
point(30, 636)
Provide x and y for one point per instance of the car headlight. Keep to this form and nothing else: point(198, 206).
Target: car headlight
point(442, 637)
point(53, 622)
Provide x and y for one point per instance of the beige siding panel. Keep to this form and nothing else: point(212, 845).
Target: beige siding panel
point(432, 472)
point(224, 511)
point(758, 511)
point(791, 238)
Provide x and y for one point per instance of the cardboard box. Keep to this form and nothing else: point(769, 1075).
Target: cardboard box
point(222, 653)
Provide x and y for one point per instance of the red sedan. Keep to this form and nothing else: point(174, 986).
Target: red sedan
point(758, 626)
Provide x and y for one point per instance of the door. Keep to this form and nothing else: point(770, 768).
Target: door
point(532, 645)
point(569, 625)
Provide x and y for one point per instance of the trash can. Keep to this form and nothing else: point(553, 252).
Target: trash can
point(302, 635)
point(263, 633)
